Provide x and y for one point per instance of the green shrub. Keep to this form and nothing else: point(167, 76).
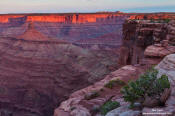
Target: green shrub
point(113, 83)
point(108, 106)
point(91, 95)
point(167, 20)
point(147, 84)
point(160, 20)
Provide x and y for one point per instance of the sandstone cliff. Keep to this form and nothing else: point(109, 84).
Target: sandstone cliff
point(139, 34)
point(60, 18)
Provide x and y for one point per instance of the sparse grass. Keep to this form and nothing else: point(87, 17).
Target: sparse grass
point(108, 106)
point(114, 83)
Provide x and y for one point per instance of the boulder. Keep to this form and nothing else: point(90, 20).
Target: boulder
point(167, 66)
point(80, 111)
point(124, 111)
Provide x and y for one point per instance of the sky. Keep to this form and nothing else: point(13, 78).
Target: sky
point(59, 6)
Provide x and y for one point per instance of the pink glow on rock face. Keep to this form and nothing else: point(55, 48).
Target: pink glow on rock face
point(80, 18)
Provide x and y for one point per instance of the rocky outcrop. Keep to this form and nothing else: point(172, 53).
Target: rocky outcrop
point(37, 72)
point(144, 44)
point(139, 34)
point(124, 111)
point(162, 47)
point(78, 103)
point(166, 66)
point(159, 51)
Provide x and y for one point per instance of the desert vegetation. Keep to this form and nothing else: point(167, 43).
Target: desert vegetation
point(160, 20)
point(92, 95)
point(147, 86)
point(108, 106)
point(114, 83)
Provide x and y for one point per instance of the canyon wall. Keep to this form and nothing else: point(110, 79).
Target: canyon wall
point(38, 72)
point(151, 16)
point(101, 30)
point(60, 18)
point(139, 34)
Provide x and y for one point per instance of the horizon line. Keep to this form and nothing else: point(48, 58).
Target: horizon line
point(119, 12)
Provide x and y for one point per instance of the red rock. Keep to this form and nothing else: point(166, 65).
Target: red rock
point(154, 51)
point(61, 18)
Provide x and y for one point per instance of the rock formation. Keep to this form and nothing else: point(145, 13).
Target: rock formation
point(139, 34)
point(145, 44)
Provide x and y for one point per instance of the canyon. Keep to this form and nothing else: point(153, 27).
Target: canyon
point(47, 59)
point(41, 63)
point(81, 29)
point(145, 44)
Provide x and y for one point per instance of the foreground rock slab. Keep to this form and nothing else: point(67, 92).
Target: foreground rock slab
point(124, 111)
point(77, 103)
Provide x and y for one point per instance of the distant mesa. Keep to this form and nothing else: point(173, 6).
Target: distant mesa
point(58, 18)
point(119, 12)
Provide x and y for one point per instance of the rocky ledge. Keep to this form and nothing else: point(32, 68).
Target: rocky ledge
point(78, 105)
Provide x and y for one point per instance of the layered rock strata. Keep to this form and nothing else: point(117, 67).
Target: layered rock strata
point(84, 30)
point(37, 72)
point(139, 34)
